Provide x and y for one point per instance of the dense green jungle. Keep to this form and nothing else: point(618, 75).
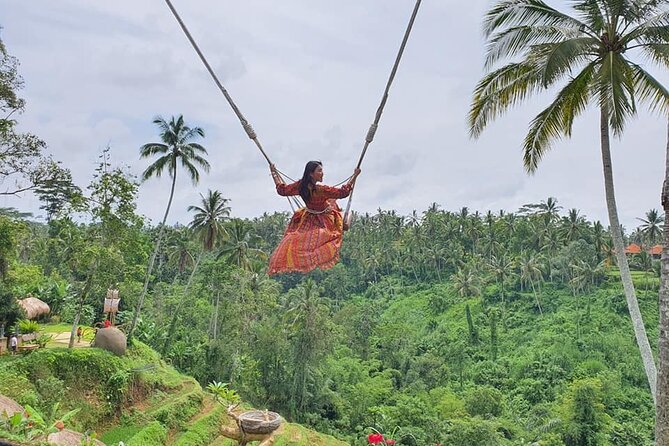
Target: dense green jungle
point(445, 327)
point(441, 327)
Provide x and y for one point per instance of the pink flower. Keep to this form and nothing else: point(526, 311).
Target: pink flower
point(390, 442)
point(375, 438)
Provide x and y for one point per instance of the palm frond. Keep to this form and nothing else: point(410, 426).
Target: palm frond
point(615, 85)
point(194, 132)
point(591, 14)
point(560, 58)
point(161, 123)
point(202, 162)
point(517, 40)
point(658, 53)
point(654, 29)
point(510, 13)
point(650, 91)
point(157, 167)
point(558, 118)
point(152, 149)
point(500, 90)
point(197, 148)
point(193, 173)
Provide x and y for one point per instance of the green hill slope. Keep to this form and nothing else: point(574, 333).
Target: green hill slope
point(137, 399)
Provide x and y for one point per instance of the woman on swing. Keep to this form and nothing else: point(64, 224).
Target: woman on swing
point(313, 236)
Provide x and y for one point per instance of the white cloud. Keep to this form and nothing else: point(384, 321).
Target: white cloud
point(308, 75)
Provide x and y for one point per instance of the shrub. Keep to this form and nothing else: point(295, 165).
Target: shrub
point(51, 390)
point(475, 432)
point(26, 326)
point(175, 414)
point(154, 434)
point(484, 401)
point(203, 431)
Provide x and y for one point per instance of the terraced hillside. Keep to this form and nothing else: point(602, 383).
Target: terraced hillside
point(138, 400)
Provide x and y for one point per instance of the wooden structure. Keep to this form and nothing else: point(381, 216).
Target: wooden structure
point(111, 304)
point(255, 425)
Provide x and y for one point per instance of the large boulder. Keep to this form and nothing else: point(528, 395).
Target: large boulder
point(111, 339)
point(9, 406)
point(67, 437)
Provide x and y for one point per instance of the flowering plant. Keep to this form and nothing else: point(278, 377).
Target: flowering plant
point(375, 438)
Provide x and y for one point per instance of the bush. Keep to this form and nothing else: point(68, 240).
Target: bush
point(51, 390)
point(176, 414)
point(484, 401)
point(475, 432)
point(25, 326)
point(154, 434)
point(203, 431)
point(17, 387)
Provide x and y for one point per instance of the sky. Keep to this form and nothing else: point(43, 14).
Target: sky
point(308, 75)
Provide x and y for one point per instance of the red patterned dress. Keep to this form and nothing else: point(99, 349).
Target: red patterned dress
point(313, 236)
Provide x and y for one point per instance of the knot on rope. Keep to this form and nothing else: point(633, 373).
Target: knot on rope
point(249, 130)
point(371, 132)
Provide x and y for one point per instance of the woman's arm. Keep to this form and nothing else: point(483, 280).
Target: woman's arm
point(282, 188)
point(275, 175)
point(341, 192)
point(287, 190)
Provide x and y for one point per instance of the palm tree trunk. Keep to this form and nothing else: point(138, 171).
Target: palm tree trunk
point(140, 302)
point(82, 299)
point(536, 297)
point(215, 323)
point(662, 401)
point(625, 276)
point(177, 310)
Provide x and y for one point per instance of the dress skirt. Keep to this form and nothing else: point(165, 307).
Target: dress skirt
point(312, 240)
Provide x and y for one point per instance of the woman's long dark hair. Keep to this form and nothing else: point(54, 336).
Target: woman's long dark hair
point(306, 181)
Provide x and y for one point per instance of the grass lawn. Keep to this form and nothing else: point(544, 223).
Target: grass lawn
point(66, 328)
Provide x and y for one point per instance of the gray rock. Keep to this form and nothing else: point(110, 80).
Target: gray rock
point(111, 339)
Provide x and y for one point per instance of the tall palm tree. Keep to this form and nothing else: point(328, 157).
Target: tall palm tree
point(662, 405)
point(466, 282)
point(209, 218)
point(573, 225)
point(530, 273)
point(179, 250)
point(502, 268)
point(650, 226)
point(208, 224)
point(598, 239)
point(589, 52)
point(177, 148)
point(238, 248)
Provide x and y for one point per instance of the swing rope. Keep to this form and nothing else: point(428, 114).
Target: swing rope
point(252, 134)
point(245, 123)
point(379, 111)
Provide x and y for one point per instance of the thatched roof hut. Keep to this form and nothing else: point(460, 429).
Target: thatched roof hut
point(33, 307)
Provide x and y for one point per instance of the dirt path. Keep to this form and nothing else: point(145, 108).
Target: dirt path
point(63, 340)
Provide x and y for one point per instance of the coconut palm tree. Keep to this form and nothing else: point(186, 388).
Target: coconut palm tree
point(530, 273)
point(466, 282)
point(590, 54)
point(209, 218)
point(662, 405)
point(208, 224)
point(239, 247)
point(176, 148)
point(650, 226)
point(573, 225)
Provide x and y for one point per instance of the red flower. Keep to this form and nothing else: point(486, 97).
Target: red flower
point(375, 438)
point(390, 442)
